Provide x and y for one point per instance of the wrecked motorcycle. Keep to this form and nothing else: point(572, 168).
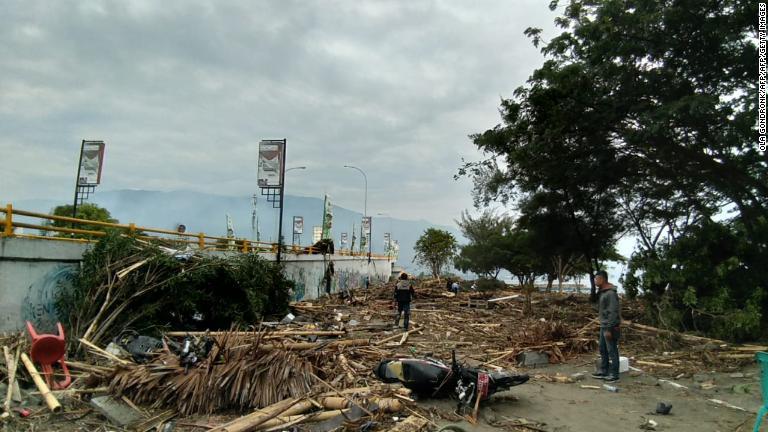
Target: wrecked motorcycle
point(432, 378)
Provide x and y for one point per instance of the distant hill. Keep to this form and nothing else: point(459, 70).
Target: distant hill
point(202, 212)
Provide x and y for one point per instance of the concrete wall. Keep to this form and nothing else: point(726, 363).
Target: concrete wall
point(32, 270)
point(308, 271)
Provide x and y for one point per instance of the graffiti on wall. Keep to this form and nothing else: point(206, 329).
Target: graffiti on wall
point(39, 303)
point(309, 278)
point(299, 279)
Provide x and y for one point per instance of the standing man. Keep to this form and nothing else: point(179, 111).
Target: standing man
point(455, 287)
point(609, 312)
point(403, 294)
point(328, 277)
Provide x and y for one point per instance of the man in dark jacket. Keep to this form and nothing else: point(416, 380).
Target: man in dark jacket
point(403, 294)
point(609, 311)
point(328, 277)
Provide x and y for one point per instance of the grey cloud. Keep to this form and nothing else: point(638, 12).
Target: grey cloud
point(182, 91)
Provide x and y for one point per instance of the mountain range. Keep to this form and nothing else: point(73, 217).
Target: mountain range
point(202, 212)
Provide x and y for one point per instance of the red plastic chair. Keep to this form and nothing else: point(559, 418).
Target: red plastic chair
point(48, 349)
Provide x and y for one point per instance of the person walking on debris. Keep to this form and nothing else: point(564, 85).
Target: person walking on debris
point(609, 311)
point(328, 277)
point(455, 287)
point(403, 294)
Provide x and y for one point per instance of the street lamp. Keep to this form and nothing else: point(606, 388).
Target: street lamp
point(389, 244)
point(365, 208)
point(282, 204)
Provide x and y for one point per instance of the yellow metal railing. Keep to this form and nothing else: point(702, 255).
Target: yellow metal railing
point(201, 240)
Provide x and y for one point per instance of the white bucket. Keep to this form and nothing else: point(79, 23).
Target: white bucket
point(623, 364)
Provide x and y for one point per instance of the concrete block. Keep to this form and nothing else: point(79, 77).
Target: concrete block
point(532, 358)
point(116, 411)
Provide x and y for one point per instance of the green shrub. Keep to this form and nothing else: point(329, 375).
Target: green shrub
point(166, 293)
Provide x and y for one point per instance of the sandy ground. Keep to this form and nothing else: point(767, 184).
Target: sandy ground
point(570, 408)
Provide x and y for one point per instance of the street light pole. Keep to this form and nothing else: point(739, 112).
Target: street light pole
point(365, 177)
point(293, 237)
point(389, 244)
point(365, 208)
point(282, 206)
point(282, 202)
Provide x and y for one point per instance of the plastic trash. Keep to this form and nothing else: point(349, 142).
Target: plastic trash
point(663, 408)
point(611, 388)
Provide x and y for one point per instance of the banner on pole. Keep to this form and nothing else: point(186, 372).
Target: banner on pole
point(298, 225)
point(91, 162)
point(270, 164)
point(327, 218)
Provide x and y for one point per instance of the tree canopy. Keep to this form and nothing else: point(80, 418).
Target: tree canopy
point(642, 121)
point(86, 211)
point(435, 249)
point(485, 253)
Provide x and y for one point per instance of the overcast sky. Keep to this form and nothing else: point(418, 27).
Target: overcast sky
point(182, 92)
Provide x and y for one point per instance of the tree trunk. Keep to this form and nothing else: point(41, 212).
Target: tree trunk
point(528, 290)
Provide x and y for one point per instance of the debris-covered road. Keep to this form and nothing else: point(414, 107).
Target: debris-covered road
point(314, 371)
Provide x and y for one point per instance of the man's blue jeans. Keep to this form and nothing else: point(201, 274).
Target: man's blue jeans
point(405, 309)
point(609, 350)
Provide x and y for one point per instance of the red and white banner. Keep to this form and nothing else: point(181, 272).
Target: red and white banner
point(91, 162)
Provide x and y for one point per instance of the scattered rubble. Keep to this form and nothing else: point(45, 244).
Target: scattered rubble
point(313, 371)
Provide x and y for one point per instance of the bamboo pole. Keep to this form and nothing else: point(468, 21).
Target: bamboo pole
point(312, 345)
point(270, 335)
point(391, 338)
point(254, 420)
point(334, 403)
point(12, 365)
point(389, 405)
point(49, 398)
point(309, 418)
point(335, 390)
point(670, 332)
point(101, 352)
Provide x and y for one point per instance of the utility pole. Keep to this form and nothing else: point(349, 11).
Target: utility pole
point(365, 211)
point(282, 202)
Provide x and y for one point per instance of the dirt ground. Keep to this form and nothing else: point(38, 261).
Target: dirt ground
point(570, 408)
point(480, 334)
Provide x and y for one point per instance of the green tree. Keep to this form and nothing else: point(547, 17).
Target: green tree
point(524, 260)
point(712, 279)
point(435, 249)
point(485, 254)
point(642, 119)
point(85, 211)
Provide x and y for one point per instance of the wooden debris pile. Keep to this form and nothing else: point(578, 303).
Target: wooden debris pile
point(483, 327)
point(242, 372)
